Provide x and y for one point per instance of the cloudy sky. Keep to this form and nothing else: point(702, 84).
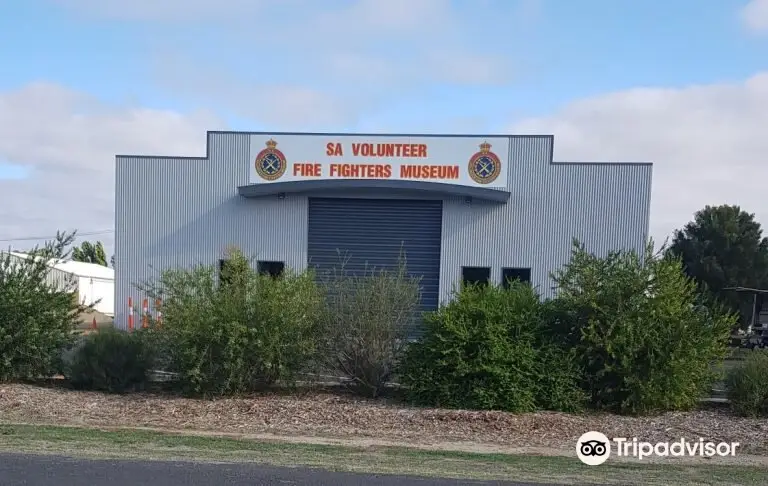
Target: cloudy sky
point(682, 84)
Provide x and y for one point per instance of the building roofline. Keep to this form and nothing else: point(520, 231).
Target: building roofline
point(356, 134)
point(72, 267)
point(210, 133)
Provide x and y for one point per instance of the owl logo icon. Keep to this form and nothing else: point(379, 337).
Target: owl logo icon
point(593, 448)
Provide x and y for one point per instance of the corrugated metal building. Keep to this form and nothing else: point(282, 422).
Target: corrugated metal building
point(495, 206)
point(93, 284)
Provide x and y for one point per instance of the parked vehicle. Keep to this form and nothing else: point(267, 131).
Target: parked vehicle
point(756, 336)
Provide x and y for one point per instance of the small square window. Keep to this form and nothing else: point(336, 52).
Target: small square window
point(273, 269)
point(475, 275)
point(521, 274)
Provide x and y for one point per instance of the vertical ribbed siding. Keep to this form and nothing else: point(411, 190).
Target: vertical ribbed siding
point(178, 212)
point(606, 206)
point(54, 277)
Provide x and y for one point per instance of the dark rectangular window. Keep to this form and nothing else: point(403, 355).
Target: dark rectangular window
point(273, 269)
point(475, 275)
point(521, 274)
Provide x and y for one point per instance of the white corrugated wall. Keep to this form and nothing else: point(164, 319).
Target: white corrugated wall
point(99, 291)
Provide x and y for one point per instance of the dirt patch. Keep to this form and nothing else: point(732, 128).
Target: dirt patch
point(316, 417)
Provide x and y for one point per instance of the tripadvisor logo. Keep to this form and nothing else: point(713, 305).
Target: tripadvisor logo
point(594, 448)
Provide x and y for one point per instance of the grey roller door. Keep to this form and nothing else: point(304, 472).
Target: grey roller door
point(372, 232)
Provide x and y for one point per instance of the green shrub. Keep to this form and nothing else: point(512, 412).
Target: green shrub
point(111, 360)
point(558, 387)
point(38, 313)
point(238, 331)
point(365, 326)
point(643, 335)
point(486, 350)
point(747, 385)
point(159, 346)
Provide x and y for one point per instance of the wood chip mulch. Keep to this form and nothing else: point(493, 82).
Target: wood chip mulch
point(329, 415)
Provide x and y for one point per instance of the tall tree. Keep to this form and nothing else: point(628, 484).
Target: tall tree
point(724, 247)
point(90, 253)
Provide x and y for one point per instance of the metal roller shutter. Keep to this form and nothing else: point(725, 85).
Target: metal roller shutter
point(372, 232)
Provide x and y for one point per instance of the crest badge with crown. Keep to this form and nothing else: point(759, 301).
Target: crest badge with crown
point(485, 166)
point(270, 164)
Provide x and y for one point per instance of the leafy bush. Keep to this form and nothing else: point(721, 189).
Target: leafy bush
point(486, 350)
point(643, 335)
point(747, 385)
point(365, 326)
point(159, 346)
point(558, 387)
point(111, 360)
point(38, 312)
point(238, 331)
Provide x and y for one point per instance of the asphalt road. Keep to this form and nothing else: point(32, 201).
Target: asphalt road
point(43, 470)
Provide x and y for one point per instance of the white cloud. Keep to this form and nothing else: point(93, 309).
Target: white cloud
point(755, 16)
point(392, 16)
point(331, 55)
point(466, 68)
point(707, 143)
point(69, 142)
point(425, 41)
point(281, 106)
